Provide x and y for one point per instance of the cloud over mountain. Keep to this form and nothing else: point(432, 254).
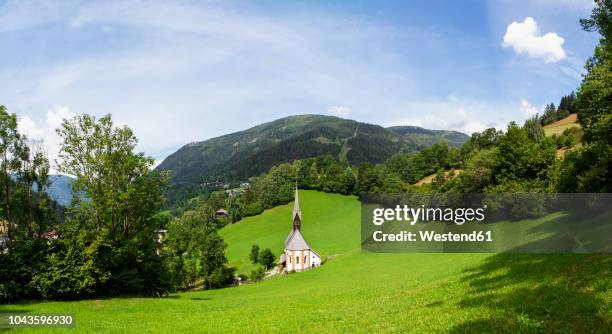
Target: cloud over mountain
point(44, 130)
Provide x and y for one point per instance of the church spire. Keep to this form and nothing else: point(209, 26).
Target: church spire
point(297, 213)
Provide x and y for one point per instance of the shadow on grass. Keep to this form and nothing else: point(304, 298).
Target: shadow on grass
point(172, 296)
point(534, 293)
point(435, 304)
point(572, 233)
point(200, 298)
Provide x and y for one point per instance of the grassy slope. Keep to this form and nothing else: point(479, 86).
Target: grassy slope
point(559, 126)
point(430, 178)
point(363, 292)
point(558, 130)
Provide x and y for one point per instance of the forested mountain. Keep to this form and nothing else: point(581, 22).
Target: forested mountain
point(59, 189)
point(243, 154)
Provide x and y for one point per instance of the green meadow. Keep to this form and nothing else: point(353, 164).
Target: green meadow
point(365, 292)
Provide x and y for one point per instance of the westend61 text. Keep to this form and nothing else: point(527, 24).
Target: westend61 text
point(431, 236)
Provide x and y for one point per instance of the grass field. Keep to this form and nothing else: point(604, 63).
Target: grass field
point(366, 292)
point(559, 126)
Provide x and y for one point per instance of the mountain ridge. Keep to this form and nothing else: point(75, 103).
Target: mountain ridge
point(237, 156)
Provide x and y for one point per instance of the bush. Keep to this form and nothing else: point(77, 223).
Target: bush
point(567, 139)
point(17, 269)
point(253, 209)
point(267, 258)
point(257, 274)
point(222, 277)
point(254, 255)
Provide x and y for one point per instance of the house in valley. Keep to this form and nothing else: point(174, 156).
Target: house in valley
point(221, 214)
point(298, 255)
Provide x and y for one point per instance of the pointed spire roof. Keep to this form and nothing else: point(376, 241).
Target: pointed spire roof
point(296, 205)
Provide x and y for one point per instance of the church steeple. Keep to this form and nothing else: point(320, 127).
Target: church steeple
point(297, 213)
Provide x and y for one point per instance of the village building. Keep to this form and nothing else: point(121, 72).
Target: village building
point(298, 255)
point(4, 244)
point(50, 235)
point(4, 237)
point(160, 237)
point(221, 214)
point(5, 226)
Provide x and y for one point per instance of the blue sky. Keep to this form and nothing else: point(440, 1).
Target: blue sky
point(184, 71)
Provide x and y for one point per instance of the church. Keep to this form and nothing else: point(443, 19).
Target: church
point(298, 256)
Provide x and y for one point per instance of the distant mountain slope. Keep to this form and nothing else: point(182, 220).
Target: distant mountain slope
point(427, 137)
point(59, 189)
point(243, 154)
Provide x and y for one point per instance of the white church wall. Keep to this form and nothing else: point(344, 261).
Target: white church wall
point(301, 260)
point(315, 260)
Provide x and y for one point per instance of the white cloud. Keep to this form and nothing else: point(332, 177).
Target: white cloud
point(30, 128)
point(524, 38)
point(464, 114)
point(453, 113)
point(340, 111)
point(453, 118)
point(527, 109)
point(44, 130)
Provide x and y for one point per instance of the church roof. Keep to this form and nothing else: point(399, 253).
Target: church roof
point(288, 237)
point(296, 241)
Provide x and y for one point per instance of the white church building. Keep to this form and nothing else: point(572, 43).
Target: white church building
point(298, 256)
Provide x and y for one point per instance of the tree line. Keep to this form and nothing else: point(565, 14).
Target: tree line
point(111, 238)
point(552, 113)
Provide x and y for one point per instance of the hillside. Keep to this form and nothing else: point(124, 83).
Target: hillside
point(367, 292)
point(559, 126)
point(430, 178)
point(237, 156)
point(59, 188)
point(426, 137)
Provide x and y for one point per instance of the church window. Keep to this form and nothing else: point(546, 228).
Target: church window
point(297, 259)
